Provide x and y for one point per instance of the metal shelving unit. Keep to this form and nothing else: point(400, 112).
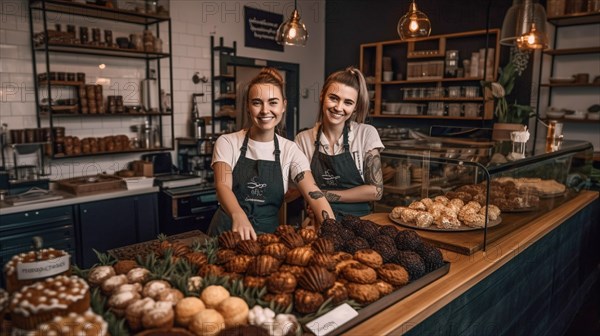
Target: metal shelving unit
point(151, 59)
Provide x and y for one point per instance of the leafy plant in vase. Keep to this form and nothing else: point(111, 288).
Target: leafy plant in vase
point(504, 111)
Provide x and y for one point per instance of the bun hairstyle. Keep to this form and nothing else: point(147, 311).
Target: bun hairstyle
point(353, 78)
point(267, 75)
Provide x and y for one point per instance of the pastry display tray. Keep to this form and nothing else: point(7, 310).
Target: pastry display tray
point(432, 227)
point(469, 242)
point(89, 184)
point(390, 299)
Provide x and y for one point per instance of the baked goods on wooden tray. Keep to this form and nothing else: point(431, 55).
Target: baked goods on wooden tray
point(282, 280)
point(544, 188)
point(505, 195)
point(446, 214)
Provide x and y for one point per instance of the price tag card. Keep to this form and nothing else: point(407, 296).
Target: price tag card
point(329, 322)
point(43, 269)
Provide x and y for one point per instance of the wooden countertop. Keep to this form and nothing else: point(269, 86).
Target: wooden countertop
point(465, 271)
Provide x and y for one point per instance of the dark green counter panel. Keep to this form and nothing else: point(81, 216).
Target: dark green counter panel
point(536, 293)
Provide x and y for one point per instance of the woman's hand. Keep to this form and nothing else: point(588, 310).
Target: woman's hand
point(223, 185)
point(242, 225)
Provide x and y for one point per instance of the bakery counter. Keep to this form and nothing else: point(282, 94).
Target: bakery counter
point(530, 281)
point(66, 198)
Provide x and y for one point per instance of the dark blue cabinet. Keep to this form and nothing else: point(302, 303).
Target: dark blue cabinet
point(108, 224)
point(56, 226)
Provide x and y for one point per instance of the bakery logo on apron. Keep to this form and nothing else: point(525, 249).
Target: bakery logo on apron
point(256, 191)
point(329, 178)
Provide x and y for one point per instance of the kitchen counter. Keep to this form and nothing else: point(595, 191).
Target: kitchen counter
point(70, 199)
point(528, 282)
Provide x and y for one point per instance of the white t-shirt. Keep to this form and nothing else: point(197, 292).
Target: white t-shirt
point(361, 137)
point(293, 161)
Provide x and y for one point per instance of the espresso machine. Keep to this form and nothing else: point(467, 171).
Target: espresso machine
point(21, 176)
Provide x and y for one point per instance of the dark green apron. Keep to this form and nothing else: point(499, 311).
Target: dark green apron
point(338, 172)
point(258, 187)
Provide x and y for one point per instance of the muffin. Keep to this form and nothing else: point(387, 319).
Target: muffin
point(171, 295)
point(159, 316)
point(282, 300)
point(207, 322)
point(58, 259)
point(249, 247)
point(86, 324)
point(323, 245)
point(234, 311)
point(267, 238)
point(210, 269)
point(135, 311)
point(277, 250)
point(118, 302)
point(4, 301)
point(186, 308)
point(124, 266)
point(112, 283)
point(239, 263)
point(99, 274)
point(229, 240)
point(29, 308)
point(213, 295)
point(292, 240)
point(254, 281)
point(153, 288)
point(224, 256)
point(338, 293)
point(299, 256)
point(307, 302)
point(138, 275)
point(281, 282)
point(316, 279)
point(263, 265)
point(196, 258)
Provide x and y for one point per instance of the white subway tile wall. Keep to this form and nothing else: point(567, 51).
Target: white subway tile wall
point(193, 22)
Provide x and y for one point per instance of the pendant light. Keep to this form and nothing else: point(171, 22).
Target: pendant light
point(414, 23)
point(524, 26)
point(293, 31)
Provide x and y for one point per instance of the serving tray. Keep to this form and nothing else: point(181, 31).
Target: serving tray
point(89, 184)
point(435, 228)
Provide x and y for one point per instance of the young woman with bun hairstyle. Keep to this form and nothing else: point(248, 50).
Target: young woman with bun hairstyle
point(252, 166)
point(344, 152)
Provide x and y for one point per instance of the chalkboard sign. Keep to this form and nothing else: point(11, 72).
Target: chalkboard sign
point(261, 29)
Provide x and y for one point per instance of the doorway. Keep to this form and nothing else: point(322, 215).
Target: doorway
point(245, 68)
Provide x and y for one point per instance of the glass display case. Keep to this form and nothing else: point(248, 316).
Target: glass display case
point(428, 175)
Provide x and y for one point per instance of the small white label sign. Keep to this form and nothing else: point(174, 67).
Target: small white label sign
point(43, 269)
point(327, 323)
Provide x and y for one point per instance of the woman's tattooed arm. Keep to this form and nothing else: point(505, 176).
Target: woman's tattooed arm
point(373, 174)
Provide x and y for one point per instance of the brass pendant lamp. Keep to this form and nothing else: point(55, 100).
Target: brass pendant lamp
point(524, 26)
point(414, 23)
point(292, 32)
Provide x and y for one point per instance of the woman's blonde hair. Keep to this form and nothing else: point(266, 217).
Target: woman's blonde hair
point(353, 78)
point(267, 75)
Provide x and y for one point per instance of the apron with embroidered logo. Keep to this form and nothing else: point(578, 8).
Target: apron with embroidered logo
point(338, 172)
point(258, 187)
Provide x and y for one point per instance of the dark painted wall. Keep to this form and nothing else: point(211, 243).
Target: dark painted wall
point(349, 23)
